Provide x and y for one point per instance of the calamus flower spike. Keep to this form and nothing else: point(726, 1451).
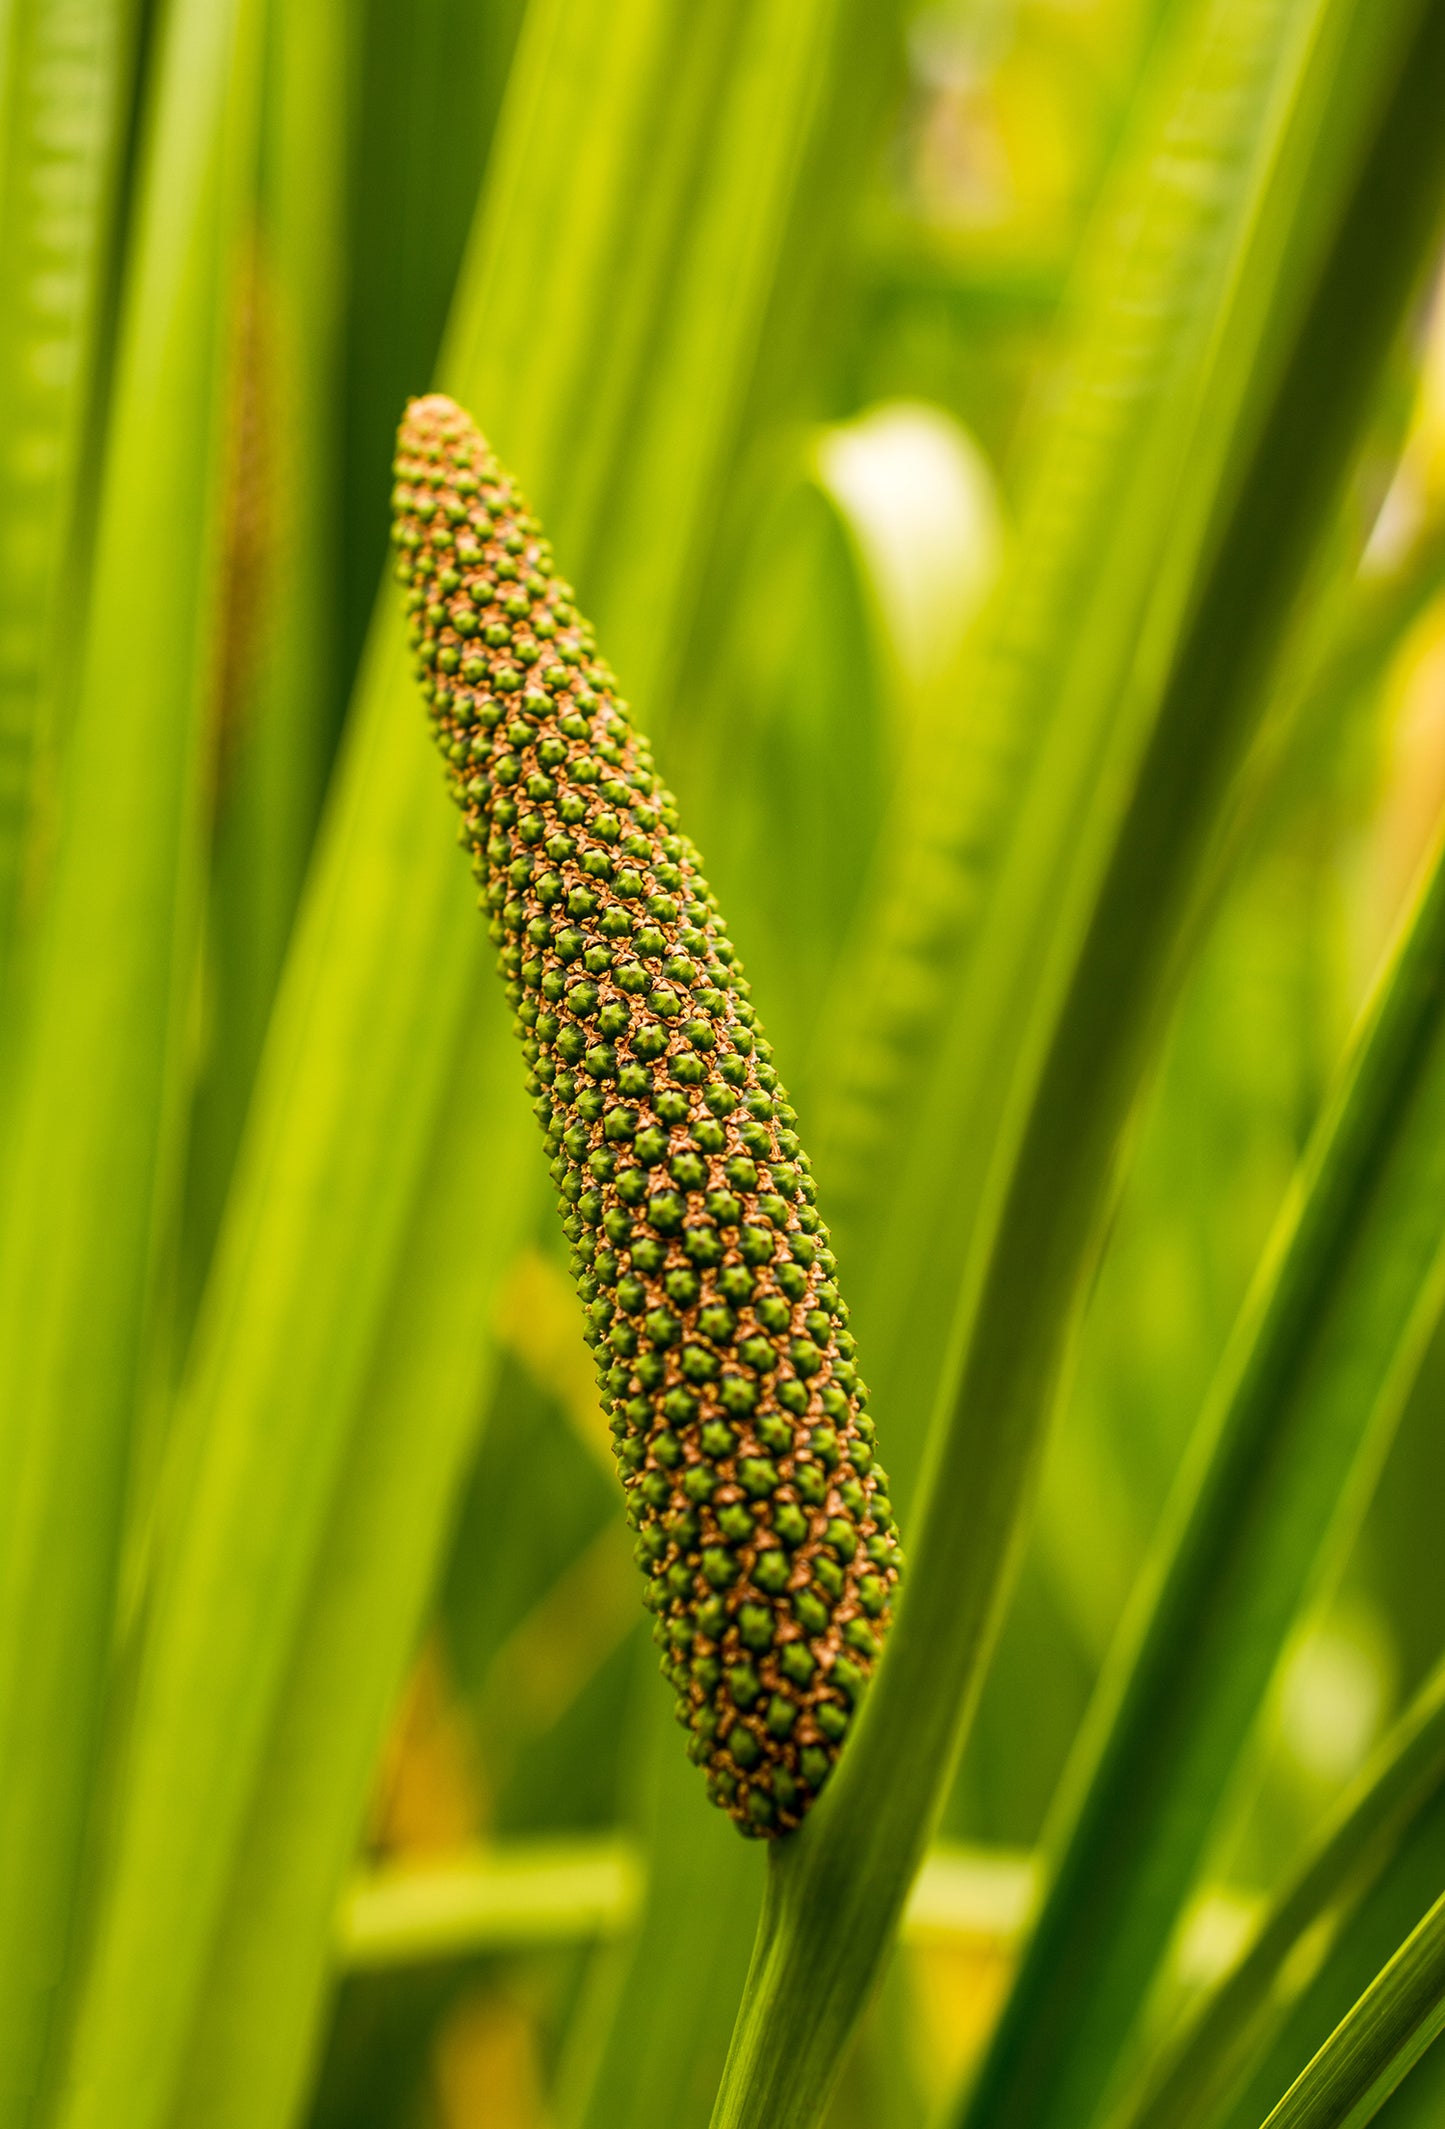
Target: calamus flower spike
point(764, 1529)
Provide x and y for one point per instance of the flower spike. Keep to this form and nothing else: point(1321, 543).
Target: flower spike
point(764, 1529)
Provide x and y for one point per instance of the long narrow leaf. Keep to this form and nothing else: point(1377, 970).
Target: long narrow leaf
point(250, 2045)
point(91, 1159)
point(1088, 923)
point(912, 1108)
point(427, 91)
point(1383, 2037)
point(1325, 1978)
point(667, 2033)
point(65, 86)
point(280, 680)
point(1199, 2069)
point(245, 1502)
point(1285, 1459)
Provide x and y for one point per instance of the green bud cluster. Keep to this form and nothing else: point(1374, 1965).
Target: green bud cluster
point(727, 1370)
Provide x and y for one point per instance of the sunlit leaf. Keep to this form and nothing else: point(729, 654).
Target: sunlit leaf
point(360, 1073)
point(65, 87)
point(91, 1169)
point(1087, 924)
point(1380, 2040)
point(1370, 1836)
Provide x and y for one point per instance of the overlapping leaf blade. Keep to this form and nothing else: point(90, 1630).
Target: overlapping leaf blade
point(1378, 2042)
point(1287, 1451)
point(1087, 923)
point(91, 1160)
point(1374, 1837)
point(65, 92)
point(1390, 1906)
point(280, 678)
point(360, 1075)
point(1052, 662)
point(253, 2034)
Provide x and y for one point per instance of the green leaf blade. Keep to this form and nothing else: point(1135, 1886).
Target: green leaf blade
point(1104, 953)
point(287, 1328)
point(1378, 2043)
point(1373, 1832)
point(92, 1148)
point(356, 1096)
point(280, 684)
point(1051, 670)
point(64, 91)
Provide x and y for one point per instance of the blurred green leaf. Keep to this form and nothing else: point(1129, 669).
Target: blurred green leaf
point(1330, 1976)
point(531, 1892)
point(253, 2030)
point(284, 1351)
point(1187, 2085)
point(1271, 1491)
point(427, 85)
point(920, 1087)
point(91, 1166)
point(501, 1568)
point(926, 518)
point(451, 1906)
point(664, 2033)
point(783, 765)
point(279, 648)
point(376, 2069)
point(1092, 905)
point(65, 92)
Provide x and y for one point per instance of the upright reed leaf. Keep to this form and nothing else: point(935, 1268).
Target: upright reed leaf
point(65, 79)
point(1281, 1467)
point(94, 1139)
point(764, 1525)
point(1088, 936)
point(1320, 1991)
point(1196, 2076)
point(1378, 2043)
point(364, 1096)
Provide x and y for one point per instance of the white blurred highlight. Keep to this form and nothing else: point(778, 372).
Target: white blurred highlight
point(1334, 1696)
point(922, 503)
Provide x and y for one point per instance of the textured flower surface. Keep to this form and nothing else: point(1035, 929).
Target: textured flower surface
point(726, 1368)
